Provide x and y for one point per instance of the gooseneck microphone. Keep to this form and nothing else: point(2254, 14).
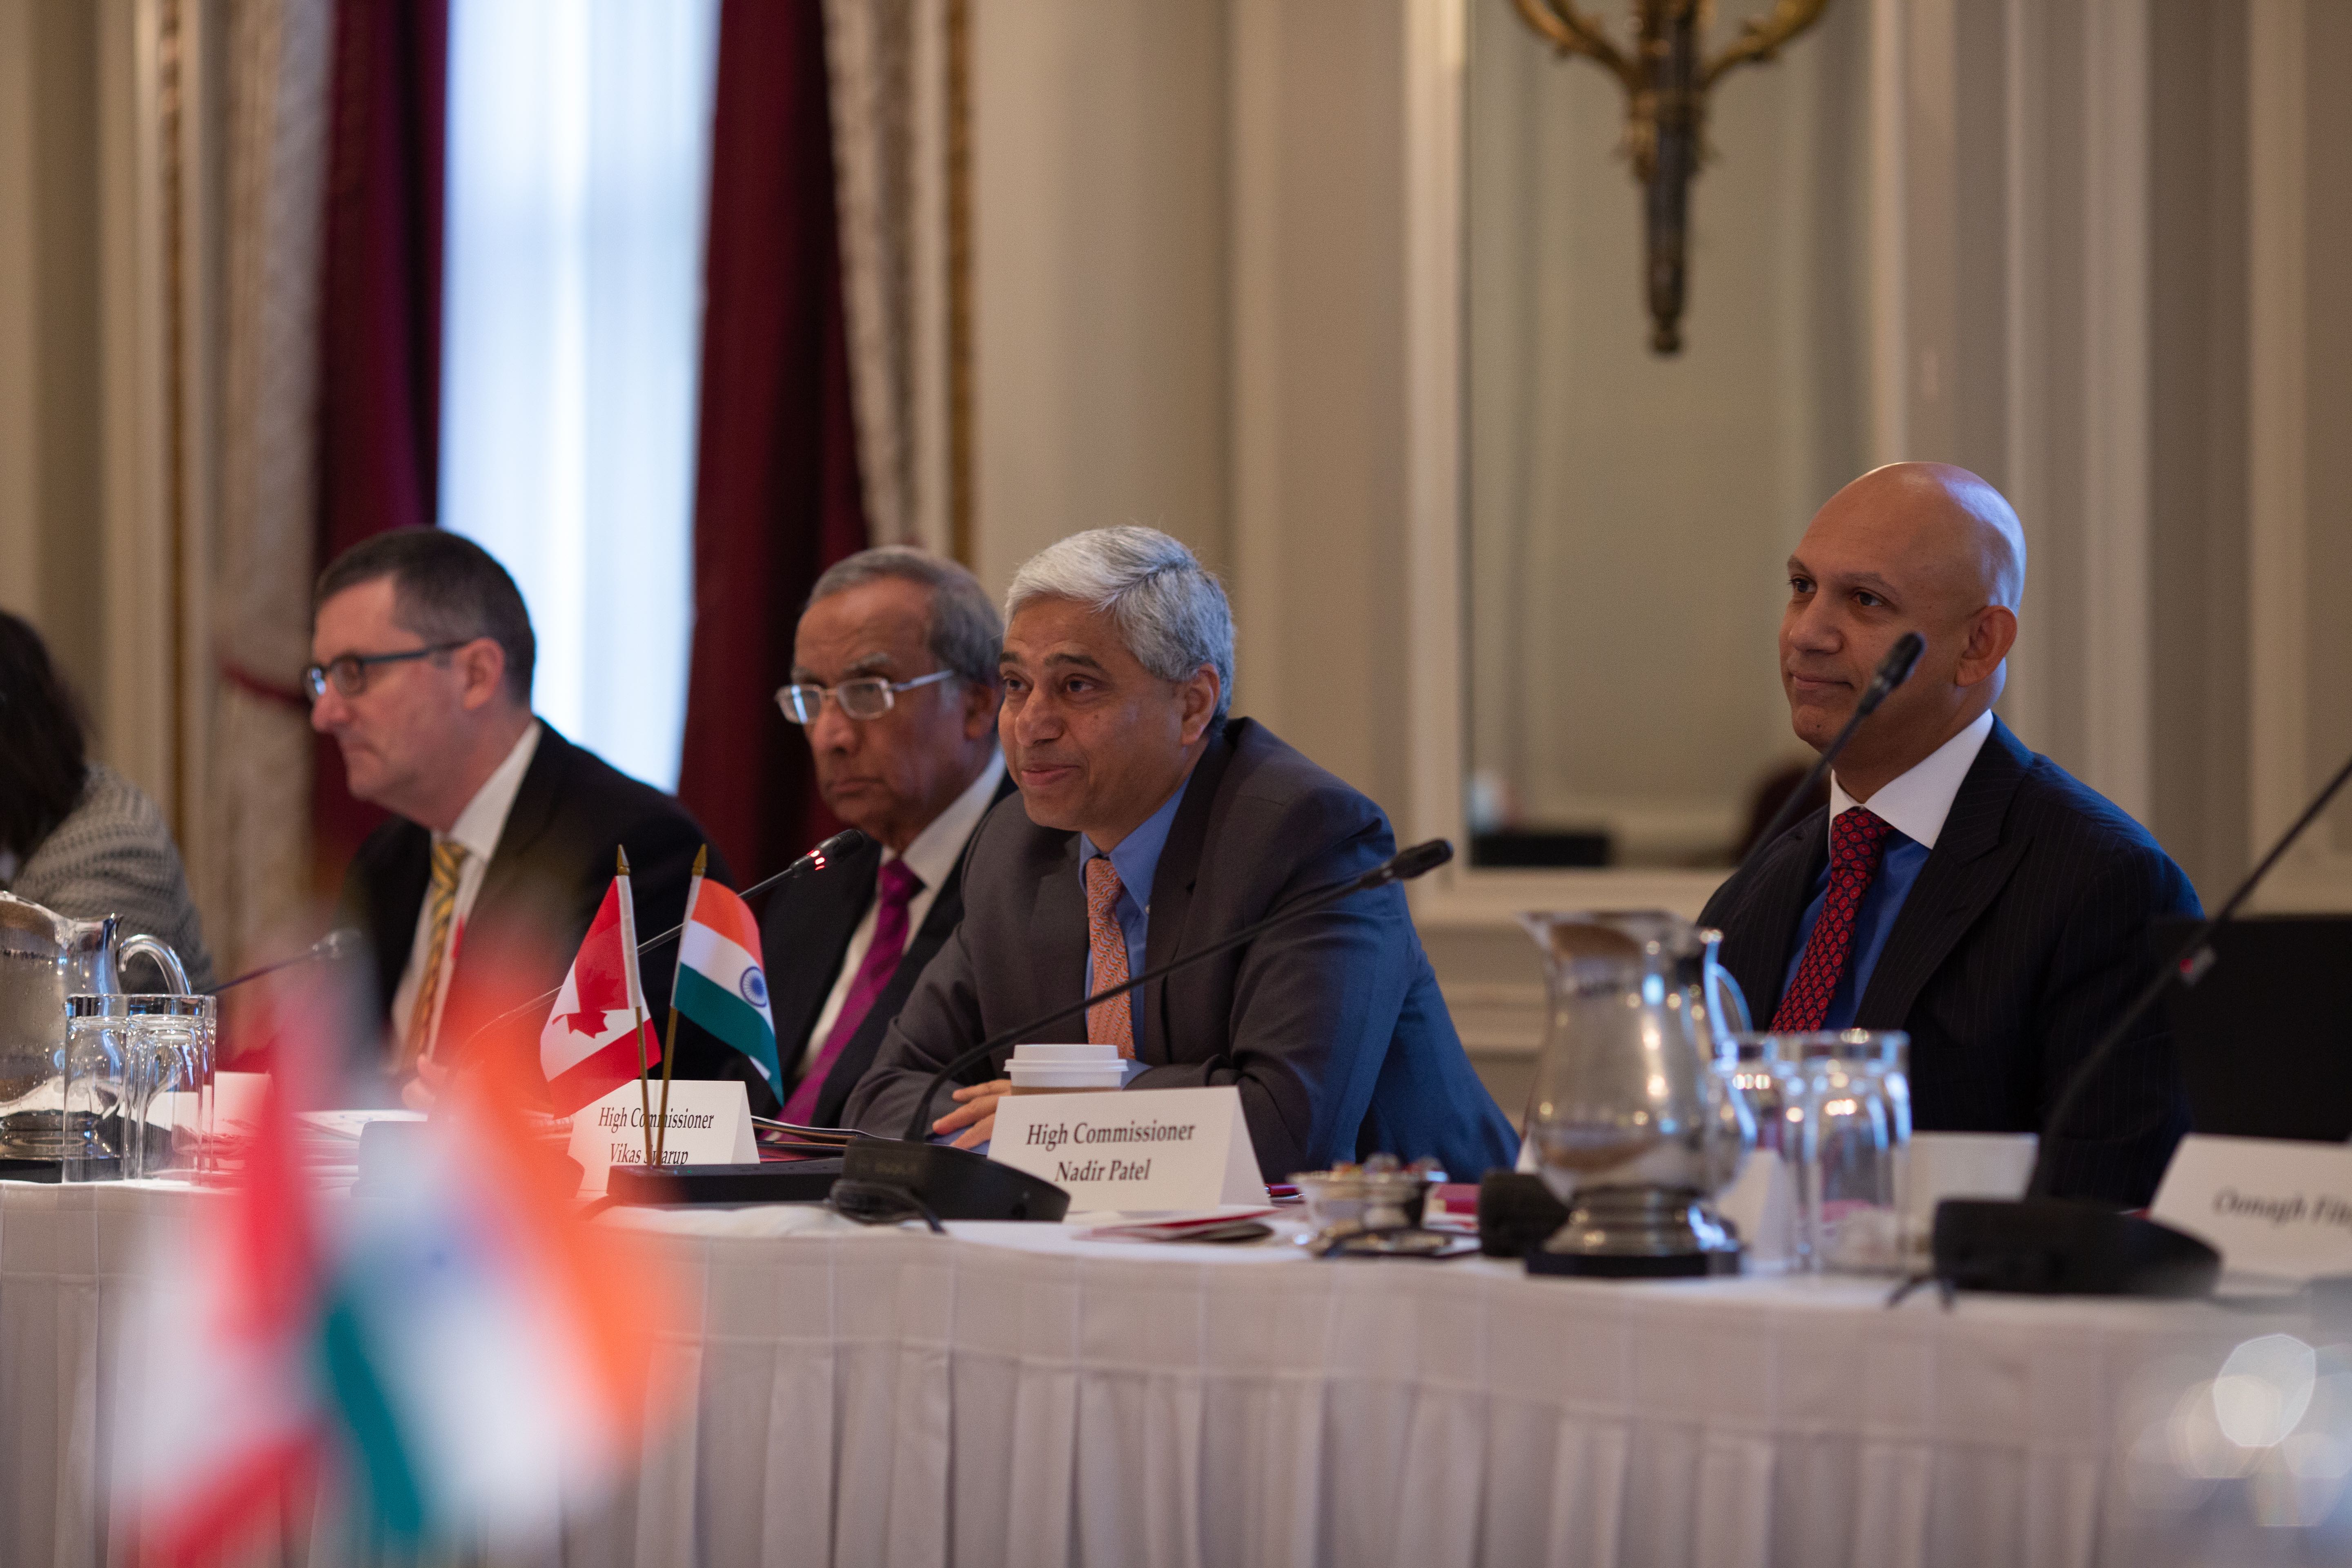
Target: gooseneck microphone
point(1893, 671)
point(2047, 1245)
point(1403, 866)
point(849, 841)
point(942, 1182)
point(2189, 963)
point(343, 941)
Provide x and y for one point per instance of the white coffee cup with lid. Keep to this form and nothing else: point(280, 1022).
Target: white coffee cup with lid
point(1085, 1068)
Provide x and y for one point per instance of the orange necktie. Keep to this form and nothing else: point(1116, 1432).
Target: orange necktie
point(1111, 1022)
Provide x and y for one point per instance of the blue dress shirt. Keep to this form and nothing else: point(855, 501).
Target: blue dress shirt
point(1921, 798)
point(1136, 860)
point(1880, 902)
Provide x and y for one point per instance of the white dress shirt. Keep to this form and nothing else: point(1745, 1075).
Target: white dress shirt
point(478, 829)
point(932, 855)
point(1916, 803)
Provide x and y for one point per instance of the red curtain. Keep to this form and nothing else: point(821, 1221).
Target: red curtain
point(776, 489)
point(379, 315)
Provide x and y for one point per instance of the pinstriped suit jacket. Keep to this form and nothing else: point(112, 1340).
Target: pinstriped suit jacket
point(2026, 934)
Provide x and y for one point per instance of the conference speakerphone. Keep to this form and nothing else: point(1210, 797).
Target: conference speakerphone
point(769, 1181)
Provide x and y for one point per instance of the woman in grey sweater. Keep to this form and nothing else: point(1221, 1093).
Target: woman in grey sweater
point(76, 836)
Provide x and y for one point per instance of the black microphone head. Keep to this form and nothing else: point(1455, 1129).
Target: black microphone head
point(1419, 859)
point(849, 841)
point(1893, 671)
point(1896, 668)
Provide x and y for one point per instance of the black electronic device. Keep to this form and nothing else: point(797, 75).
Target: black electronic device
point(2263, 1045)
point(1517, 1213)
point(1995, 1241)
point(2062, 1247)
point(20, 1170)
point(769, 1181)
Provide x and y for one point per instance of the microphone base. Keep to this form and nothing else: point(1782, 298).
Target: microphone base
point(955, 1183)
point(674, 1186)
point(2066, 1246)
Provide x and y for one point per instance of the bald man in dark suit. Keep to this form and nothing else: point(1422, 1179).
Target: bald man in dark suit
point(1957, 886)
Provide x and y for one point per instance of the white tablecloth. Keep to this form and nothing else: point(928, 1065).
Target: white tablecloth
point(1014, 1395)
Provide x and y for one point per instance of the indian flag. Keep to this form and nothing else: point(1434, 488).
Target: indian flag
point(721, 985)
point(458, 1352)
point(480, 1355)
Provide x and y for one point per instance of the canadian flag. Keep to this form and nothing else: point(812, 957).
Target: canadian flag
point(591, 1044)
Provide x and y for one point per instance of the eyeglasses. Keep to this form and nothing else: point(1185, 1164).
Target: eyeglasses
point(350, 671)
point(868, 697)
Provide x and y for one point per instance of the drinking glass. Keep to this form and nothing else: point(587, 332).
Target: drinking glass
point(1765, 1080)
point(90, 1134)
point(1766, 1085)
point(138, 1086)
point(168, 1086)
point(1854, 1115)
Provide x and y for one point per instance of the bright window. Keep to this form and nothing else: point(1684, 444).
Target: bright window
point(579, 153)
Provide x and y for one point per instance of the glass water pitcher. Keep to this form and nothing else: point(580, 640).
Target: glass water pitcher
point(45, 957)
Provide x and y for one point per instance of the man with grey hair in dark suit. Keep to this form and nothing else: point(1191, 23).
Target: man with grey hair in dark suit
point(1150, 825)
point(1957, 886)
point(894, 683)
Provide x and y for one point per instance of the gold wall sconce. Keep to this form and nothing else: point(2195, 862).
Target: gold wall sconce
point(1667, 78)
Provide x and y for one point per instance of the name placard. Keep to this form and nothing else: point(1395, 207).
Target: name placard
point(1142, 1150)
point(710, 1124)
point(2269, 1206)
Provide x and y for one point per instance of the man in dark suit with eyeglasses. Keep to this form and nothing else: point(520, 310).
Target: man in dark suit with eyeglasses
point(894, 681)
point(479, 890)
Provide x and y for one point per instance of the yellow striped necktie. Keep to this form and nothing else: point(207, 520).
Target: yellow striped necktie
point(448, 865)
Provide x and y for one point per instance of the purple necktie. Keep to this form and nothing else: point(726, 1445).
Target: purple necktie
point(898, 888)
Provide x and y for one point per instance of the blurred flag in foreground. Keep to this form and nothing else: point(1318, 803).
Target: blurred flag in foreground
point(591, 1044)
point(231, 1421)
point(721, 985)
point(454, 1340)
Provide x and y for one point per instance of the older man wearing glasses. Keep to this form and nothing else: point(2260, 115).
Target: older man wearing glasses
point(481, 888)
point(895, 680)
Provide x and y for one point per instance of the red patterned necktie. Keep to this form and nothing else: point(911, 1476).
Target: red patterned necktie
point(897, 884)
point(1857, 844)
point(1111, 1022)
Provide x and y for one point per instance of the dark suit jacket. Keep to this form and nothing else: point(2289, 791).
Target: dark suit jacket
point(803, 937)
point(1331, 1027)
point(553, 862)
point(2023, 938)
